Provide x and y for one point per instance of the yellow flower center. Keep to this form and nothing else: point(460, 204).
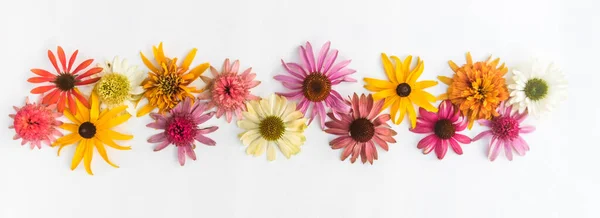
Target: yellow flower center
point(113, 88)
point(168, 84)
point(271, 128)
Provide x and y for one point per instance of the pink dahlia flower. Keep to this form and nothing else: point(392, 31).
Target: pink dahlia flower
point(360, 129)
point(180, 128)
point(228, 91)
point(312, 81)
point(443, 128)
point(36, 123)
point(505, 130)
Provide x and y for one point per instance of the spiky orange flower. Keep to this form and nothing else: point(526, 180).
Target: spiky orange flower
point(168, 84)
point(476, 88)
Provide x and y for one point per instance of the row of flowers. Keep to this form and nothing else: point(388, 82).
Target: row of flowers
point(477, 92)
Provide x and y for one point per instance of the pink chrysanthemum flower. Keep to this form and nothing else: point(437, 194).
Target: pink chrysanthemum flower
point(36, 123)
point(312, 82)
point(505, 130)
point(360, 129)
point(180, 127)
point(443, 128)
point(228, 90)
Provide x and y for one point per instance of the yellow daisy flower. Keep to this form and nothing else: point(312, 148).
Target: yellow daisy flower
point(92, 128)
point(401, 89)
point(168, 84)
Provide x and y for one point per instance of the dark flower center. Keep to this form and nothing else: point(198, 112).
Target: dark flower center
point(316, 87)
point(271, 128)
point(444, 129)
point(536, 89)
point(87, 130)
point(181, 131)
point(169, 84)
point(505, 127)
point(362, 130)
point(403, 90)
point(65, 81)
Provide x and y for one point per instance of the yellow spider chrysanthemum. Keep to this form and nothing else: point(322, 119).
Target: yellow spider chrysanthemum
point(401, 89)
point(168, 84)
point(92, 128)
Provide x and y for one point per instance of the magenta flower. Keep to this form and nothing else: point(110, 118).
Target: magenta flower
point(35, 123)
point(180, 127)
point(312, 82)
point(505, 130)
point(443, 128)
point(228, 90)
point(360, 129)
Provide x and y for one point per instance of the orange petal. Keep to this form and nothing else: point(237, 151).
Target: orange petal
point(40, 79)
point(61, 57)
point(43, 73)
point(42, 89)
point(72, 60)
point(82, 66)
point(53, 60)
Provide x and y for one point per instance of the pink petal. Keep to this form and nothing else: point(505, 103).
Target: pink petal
point(181, 155)
point(357, 149)
point(329, 60)
point(462, 138)
point(520, 116)
point(188, 149)
point(427, 141)
point(204, 140)
point(508, 150)
point(485, 122)
point(235, 68)
point(336, 131)
point(420, 128)
point(289, 79)
point(348, 150)
point(455, 115)
point(337, 67)
point(381, 143)
point(303, 105)
point(386, 138)
point(481, 135)
point(441, 147)
point(322, 56)
point(385, 131)
point(340, 74)
point(381, 119)
point(160, 137)
point(429, 116)
point(321, 111)
point(162, 145)
point(355, 106)
point(228, 116)
point(207, 130)
point(376, 109)
point(341, 142)
point(205, 117)
point(362, 107)
point(455, 146)
point(461, 124)
point(523, 143)
point(526, 129)
point(369, 151)
point(518, 146)
point(298, 69)
point(291, 95)
point(288, 68)
point(337, 125)
point(494, 148)
point(292, 86)
point(307, 57)
point(445, 110)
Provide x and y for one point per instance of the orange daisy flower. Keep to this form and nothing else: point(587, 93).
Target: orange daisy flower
point(167, 83)
point(477, 89)
point(63, 88)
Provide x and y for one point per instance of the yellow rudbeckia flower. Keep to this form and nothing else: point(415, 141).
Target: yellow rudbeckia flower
point(401, 89)
point(92, 128)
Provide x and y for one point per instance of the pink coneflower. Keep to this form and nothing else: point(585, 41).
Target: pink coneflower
point(360, 129)
point(312, 82)
point(443, 128)
point(228, 90)
point(505, 130)
point(35, 123)
point(180, 127)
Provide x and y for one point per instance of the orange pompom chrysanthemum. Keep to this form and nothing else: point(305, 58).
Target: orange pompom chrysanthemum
point(477, 89)
point(168, 83)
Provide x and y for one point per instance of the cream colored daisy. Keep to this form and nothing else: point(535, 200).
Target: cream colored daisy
point(271, 122)
point(538, 89)
point(120, 84)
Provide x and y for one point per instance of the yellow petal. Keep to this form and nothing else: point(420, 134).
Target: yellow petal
point(407, 63)
point(83, 113)
point(388, 101)
point(421, 100)
point(453, 66)
point(95, 107)
point(388, 68)
point(380, 83)
point(87, 157)
point(412, 115)
point(159, 54)
point(116, 121)
point(68, 139)
point(197, 71)
point(188, 59)
point(394, 110)
point(469, 58)
point(442, 97)
point(384, 94)
point(116, 135)
point(110, 115)
point(78, 154)
point(425, 84)
point(416, 73)
point(107, 141)
point(400, 73)
point(446, 80)
point(148, 64)
point(102, 152)
point(270, 152)
point(403, 105)
point(72, 118)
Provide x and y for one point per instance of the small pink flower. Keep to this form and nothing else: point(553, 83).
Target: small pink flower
point(181, 129)
point(312, 82)
point(36, 123)
point(443, 128)
point(228, 90)
point(360, 129)
point(505, 130)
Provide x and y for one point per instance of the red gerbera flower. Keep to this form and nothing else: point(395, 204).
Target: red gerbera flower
point(63, 84)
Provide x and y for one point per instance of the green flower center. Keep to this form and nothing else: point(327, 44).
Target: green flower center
point(536, 89)
point(169, 84)
point(271, 128)
point(113, 88)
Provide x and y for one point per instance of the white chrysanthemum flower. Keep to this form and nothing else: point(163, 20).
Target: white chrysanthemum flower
point(120, 84)
point(538, 89)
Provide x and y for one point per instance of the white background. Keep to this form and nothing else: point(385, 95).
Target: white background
point(557, 178)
